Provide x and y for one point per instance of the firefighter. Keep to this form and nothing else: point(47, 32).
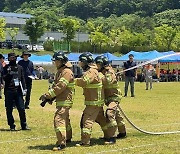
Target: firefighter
point(94, 98)
point(112, 98)
point(63, 91)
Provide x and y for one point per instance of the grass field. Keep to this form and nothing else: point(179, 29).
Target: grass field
point(155, 110)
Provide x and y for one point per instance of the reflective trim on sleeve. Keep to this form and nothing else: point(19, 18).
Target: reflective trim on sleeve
point(63, 80)
point(52, 93)
point(98, 85)
point(86, 79)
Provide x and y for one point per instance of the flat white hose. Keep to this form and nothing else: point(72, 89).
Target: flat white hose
point(144, 131)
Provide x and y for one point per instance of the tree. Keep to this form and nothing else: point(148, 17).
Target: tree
point(69, 27)
point(2, 32)
point(12, 33)
point(34, 28)
point(164, 36)
point(169, 17)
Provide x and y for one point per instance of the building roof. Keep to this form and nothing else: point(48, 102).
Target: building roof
point(17, 15)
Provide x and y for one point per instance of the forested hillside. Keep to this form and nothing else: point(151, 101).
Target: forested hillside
point(85, 9)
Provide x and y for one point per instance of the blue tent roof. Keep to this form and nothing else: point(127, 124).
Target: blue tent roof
point(175, 58)
point(110, 56)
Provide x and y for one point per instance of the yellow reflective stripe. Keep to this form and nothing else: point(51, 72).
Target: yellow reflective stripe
point(71, 85)
point(95, 103)
point(68, 128)
point(121, 124)
point(64, 103)
point(101, 75)
point(110, 86)
point(98, 85)
point(108, 77)
point(86, 79)
point(99, 94)
point(51, 93)
point(60, 129)
point(112, 124)
point(63, 80)
point(86, 130)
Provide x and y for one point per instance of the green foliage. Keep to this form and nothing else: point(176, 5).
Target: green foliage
point(69, 28)
point(169, 17)
point(164, 36)
point(2, 32)
point(34, 28)
point(48, 45)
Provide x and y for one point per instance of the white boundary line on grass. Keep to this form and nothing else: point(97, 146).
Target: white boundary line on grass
point(47, 137)
point(134, 147)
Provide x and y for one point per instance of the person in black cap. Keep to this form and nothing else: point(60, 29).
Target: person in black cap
point(28, 70)
point(13, 90)
point(1, 72)
point(130, 75)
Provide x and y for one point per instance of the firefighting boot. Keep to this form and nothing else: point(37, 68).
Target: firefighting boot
point(121, 135)
point(59, 147)
point(111, 140)
point(82, 144)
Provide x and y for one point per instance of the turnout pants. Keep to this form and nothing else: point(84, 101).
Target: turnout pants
point(62, 125)
point(114, 119)
point(90, 115)
point(120, 123)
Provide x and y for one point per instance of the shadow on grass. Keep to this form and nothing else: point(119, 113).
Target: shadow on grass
point(94, 142)
point(8, 130)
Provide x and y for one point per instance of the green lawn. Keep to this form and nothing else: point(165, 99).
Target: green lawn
point(155, 110)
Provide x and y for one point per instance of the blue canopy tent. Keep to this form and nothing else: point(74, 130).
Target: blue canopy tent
point(172, 59)
point(110, 56)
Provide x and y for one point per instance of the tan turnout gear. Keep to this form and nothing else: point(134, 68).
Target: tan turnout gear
point(63, 90)
point(113, 96)
point(94, 101)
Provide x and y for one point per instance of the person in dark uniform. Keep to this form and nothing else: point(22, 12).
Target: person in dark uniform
point(28, 70)
point(130, 75)
point(13, 91)
point(1, 72)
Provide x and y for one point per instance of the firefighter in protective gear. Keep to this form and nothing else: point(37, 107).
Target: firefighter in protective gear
point(112, 98)
point(94, 98)
point(63, 90)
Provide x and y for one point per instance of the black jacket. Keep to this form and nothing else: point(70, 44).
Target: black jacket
point(13, 72)
point(1, 73)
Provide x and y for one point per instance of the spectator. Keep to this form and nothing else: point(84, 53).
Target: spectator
point(130, 75)
point(149, 71)
point(28, 70)
point(41, 70)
